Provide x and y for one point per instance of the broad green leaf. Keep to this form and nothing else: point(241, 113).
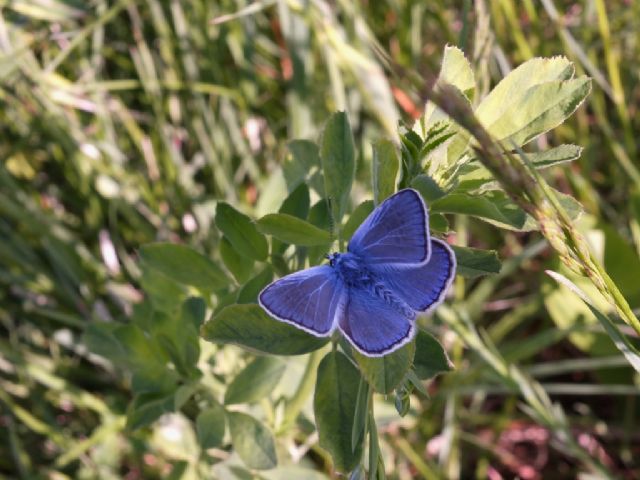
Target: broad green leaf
point(338, 163)
point(473, 262)
point(334, 406)
point(210, 426)
point(256, 381)
point(619, 339)
point(239, 265)
point(178, 335)
point(438, 223)
point(252, 440)
point(241, 232)
point(303, 166)
point(385, 170)
point(555, 156)
point(494, 207)
point(250, 327)
point(297, 203)
point(356, 218)
point(361, 414)
point(430, 358)
point(542, 108)
point(385, 373)
point(320, 217)
point(456, 71)
point(250, 290)
point(163, 292)
point(184, 265)
point(476, 175)
point(147, 408)
point(428, 188)
point(293, 230)
point(512, 88)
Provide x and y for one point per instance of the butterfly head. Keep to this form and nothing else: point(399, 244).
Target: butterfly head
point(333, 258)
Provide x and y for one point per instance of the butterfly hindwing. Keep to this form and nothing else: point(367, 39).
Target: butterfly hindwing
point(423, 288)
point(308, 299)
point(395, 233)
point(372, 325)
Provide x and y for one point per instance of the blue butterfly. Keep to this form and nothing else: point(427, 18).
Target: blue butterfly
point(392, 271)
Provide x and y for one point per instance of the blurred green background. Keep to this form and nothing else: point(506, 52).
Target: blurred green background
point(124, 122)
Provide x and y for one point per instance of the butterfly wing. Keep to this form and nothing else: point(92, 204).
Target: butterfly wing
point(423, 288)
point(375, 327)
point(395, 233)
point(308, 299)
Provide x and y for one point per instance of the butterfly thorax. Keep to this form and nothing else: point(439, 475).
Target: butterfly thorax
point(353, 272)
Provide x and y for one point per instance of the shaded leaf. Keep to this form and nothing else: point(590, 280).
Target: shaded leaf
point(356, 218)
point(255, 382)
point(430, 358)
point(252, 440)
point(210, 426)
point(338, 162)
point(385, 373)
point(239, 265)
point(293, 230)
point(334, 406)
point(384, 170)
point(250, 290)
point(249, 326)
point(473, 262)
point(184, 265)
point(241, 232)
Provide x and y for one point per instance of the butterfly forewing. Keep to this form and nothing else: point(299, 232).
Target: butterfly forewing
point(423, 288)
point(308, 299)
point(395, 233)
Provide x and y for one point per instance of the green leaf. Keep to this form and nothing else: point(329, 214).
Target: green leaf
point(210, 426)
point(297, 203)
point(320, 217)
point(338, 163)
point(239, 265)
point(334, 406)
point(184, 265)
point(494, 207)
point(476, 175)
point(512, 88)
point(164, 293)
point(241, 232)
point(178, 334)
point(293, 230)
point(250, 290)
point(619, 339)
point(430, 358)
point(385, 373)
point(543, 108)
point(250, 327)
point(356, 218)
point(473, 262)
point(255, 382)
point(428, 188)
point(147, 408)
point(385, 170)
point(303, 166)
point(456, 71)
point(252, 440)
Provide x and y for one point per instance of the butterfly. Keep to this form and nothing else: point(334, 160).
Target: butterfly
point(392, 271)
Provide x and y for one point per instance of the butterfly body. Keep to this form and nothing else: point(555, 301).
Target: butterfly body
point(372, 293)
